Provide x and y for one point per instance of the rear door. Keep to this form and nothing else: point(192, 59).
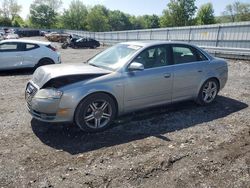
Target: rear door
point(30, 54)
point(11, 55)
point(189, 65)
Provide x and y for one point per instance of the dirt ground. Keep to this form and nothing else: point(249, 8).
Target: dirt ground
point(179, 145)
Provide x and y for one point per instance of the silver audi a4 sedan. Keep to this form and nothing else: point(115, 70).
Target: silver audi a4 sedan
point(126, 77)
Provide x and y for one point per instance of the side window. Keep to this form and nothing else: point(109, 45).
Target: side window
point(183, 54)
point(31, 46)
point(153, 57)
point(8, 47)
point(201, 57)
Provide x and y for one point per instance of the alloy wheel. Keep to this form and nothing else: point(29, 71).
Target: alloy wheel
point(98, 114)
point(209, 91)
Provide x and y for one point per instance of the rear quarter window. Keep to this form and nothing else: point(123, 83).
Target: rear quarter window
point(31, 46)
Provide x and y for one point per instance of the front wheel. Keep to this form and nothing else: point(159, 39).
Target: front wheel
point(95, 113)
point(208, 92)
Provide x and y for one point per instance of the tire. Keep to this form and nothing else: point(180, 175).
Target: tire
point(65, 45)
point(208, 92)
point(45, 61)
point(95, 113)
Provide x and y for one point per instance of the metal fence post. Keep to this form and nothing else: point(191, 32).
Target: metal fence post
point(137, 36)
point(189, 35)
point(150, 35)
point(218, 35)
point(167, 35)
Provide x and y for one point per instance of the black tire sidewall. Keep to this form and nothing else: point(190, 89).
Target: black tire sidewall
point(44, 62)
point(82, 107)
point(64, 45)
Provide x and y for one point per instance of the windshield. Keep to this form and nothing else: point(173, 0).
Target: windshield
point(114, 57)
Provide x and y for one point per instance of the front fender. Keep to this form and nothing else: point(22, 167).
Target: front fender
point(72, 97)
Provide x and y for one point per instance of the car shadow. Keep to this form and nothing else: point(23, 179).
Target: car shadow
point(17, 72)
point(150, 122)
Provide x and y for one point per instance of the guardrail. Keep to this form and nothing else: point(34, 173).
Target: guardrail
point(230, 40)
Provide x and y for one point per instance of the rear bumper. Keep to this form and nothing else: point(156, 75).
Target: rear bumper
point(223, 78)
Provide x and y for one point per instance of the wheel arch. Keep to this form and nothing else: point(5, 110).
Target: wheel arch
point(204, 80)
point(44, 59)
point(197, 98)
point(211, 78)
point(99, 92)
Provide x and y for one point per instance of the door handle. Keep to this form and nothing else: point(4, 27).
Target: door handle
point(167, 75)
point(199, 70)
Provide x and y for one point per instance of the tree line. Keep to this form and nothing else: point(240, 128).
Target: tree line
point(46, 14)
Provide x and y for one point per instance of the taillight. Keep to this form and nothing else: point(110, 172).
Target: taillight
point(52, 48)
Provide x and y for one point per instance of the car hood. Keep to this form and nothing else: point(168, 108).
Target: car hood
point(44, 74)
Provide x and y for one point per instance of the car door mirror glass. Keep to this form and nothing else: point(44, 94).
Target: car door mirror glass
point(135, 66)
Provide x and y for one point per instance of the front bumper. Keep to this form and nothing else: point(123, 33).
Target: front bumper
point(47, 110)
point(62, 115)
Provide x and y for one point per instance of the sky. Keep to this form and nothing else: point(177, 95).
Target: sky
point(135, 7)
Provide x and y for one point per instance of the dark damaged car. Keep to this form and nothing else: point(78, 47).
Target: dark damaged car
point(124, 78)
point(76, 42)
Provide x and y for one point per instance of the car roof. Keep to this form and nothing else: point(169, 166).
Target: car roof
point(26, 41)
point(148, 43)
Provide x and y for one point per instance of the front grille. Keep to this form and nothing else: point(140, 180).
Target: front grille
point(30, 93)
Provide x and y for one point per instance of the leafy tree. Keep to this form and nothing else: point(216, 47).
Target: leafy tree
point(136, 22)
point(178, 13)
point(205, 14)
point(151, 21)
point(97, 19)
point(75, 17)
point(55, 5)
point(14, 8)
point(166, 19)
point(119, 21)
point(4, 21)
point(42, 16)
point(237, 12)
point(10, 9)
point(18, 22)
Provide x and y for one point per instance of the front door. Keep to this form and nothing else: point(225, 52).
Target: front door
point(10, 56)
point(150, 86)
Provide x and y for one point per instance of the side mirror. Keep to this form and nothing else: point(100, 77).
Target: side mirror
point(135, 66)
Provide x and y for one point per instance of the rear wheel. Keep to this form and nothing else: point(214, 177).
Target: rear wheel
point(95, 113)
point(45, 61)
point(208, 92)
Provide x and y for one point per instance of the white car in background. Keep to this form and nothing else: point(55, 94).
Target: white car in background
point(11, 36)
point(16, 53)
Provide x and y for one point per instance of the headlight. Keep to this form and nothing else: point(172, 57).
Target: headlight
point(50, 93)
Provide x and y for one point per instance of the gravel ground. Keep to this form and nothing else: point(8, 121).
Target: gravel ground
point(179, 145)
